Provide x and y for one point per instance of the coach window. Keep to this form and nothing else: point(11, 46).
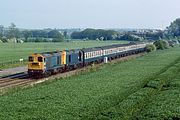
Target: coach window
point(86, 55)
point(31, 59)
point(40, 59)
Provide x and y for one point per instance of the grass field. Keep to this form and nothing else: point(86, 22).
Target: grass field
point(144, 88)
point(165, 105)
point(10, 52)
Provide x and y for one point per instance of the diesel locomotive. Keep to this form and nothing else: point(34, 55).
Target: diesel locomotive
point(48, 63)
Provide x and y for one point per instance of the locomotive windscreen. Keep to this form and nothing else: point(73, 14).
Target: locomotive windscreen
point(31, 59)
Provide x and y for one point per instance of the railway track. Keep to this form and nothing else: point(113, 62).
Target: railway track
point(15, 80)
point(17, 75)
point(22, 79)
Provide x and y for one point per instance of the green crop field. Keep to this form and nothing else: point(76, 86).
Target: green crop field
point(10, 52)
point(143, 88)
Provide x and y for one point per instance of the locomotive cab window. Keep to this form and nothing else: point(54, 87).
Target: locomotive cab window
point(31, 59)
point(40, 59)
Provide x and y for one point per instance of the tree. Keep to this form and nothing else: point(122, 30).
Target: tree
point(174, 28)
point(76, 35)
point(129, 37)
point(161, 44)
point(150, 48)
point(13, 31)
point(65, 34)
point(39, 33)
point(56, 35)
point(94, 34)
point(27, 34)
point(1, 31)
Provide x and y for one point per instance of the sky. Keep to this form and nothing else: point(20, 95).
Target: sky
point(35, 14)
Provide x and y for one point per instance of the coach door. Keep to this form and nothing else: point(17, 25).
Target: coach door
point(80, 56)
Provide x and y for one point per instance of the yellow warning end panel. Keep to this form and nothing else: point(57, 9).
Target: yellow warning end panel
point(34, 63)
point(63, 58)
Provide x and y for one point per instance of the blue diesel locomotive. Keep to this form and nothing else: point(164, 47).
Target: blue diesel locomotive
point(48, 63)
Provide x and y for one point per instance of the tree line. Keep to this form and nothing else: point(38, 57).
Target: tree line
point(53, 35)
point(13, 34)
point(171, 32)
point(99, 34)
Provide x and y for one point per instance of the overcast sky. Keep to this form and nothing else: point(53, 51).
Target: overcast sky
point(89, 13)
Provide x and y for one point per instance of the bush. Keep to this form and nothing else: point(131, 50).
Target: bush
point(150, 48)
point(57, 40)
point(130, 37)
point(161, 44)
point(4, 40)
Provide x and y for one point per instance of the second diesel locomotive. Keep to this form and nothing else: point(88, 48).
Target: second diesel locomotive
point(48, 63)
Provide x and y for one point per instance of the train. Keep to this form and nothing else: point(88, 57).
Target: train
point(48, 63)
